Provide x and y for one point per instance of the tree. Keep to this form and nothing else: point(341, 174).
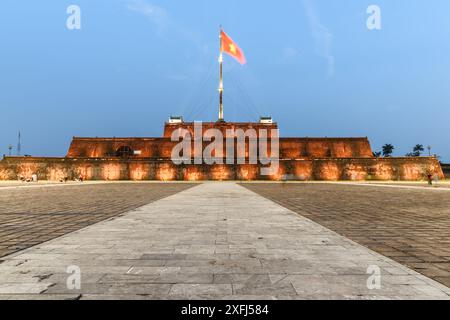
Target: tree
point(387, 149)
point(417, 150)
point(377, 154)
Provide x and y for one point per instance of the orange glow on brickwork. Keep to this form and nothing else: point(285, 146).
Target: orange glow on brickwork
point(165, 173)
point(111, 171)
point(193, 173)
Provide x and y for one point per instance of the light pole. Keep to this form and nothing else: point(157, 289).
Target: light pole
point(10, 149)
point(429, 150)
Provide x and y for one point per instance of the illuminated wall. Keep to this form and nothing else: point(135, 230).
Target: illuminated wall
point(317, 169)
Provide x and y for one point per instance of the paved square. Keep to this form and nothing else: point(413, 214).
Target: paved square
point(33, 213)
point(408, 224)
point(212, 241)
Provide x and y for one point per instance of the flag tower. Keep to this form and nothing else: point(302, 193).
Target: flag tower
point(230, 47)
point(220, 79)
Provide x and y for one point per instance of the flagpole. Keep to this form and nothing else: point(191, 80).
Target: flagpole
point(220, 78)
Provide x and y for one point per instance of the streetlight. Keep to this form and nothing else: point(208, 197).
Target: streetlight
point(10, 149)
point(429, 150)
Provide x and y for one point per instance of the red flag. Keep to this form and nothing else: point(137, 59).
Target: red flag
point(227, 45)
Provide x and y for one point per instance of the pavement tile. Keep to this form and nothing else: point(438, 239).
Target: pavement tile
point(408, 225)
point(214, 241)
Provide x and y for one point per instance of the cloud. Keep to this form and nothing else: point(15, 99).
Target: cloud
point(321, 35)
point(157, 15)
point(166, 27)
point(289, 53)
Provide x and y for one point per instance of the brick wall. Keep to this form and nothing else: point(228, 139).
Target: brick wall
point(446, 169)
point(150, 169)
point(157, 148)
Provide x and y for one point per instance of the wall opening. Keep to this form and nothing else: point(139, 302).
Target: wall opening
point(124, 152)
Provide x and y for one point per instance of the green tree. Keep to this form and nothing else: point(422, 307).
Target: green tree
point(387, 149)
point(377, 154)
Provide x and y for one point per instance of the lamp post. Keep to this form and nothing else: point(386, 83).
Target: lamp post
point(429, 150)
point(10, 149)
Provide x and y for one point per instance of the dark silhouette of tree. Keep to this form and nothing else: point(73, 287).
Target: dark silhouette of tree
point(377, 154)
point(417, 150)
point(387, 149)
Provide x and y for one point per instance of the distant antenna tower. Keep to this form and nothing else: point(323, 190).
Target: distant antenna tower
point(18, 146)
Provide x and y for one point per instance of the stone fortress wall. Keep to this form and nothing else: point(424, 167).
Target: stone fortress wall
point(150, 159)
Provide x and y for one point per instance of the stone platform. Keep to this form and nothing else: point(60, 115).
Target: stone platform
point(211, 241)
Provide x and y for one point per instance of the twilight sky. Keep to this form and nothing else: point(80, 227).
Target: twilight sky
point(312, 65)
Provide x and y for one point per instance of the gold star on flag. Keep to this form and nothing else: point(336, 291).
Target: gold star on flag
point(227, 45)
point(232, 48)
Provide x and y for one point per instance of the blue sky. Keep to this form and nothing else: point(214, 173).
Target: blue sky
point(313, 65)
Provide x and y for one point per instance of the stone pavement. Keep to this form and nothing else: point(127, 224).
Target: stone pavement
point(440, 185)
point(212, 241)
point(16, 184)
point(34, 213)
point(410, 224)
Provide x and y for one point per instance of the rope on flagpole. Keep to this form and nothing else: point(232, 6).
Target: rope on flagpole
point(198, 98)
point(242, 96)
point(243, 90)
point(205, 106)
